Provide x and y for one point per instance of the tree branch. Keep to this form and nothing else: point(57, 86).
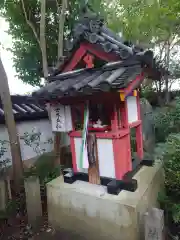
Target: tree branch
point(30, 24)
point(61, 27)
point(156, 86)
point(57, 5)
point(173, 45)
point(43, 38)
point(162, 50)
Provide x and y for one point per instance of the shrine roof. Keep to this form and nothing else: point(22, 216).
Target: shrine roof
point(105, 77)
point(112, 76)
point(91, 29)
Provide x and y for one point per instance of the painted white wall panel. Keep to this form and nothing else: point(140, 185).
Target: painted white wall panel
point(106, 158)
point(105, 155)
point(132, 109)
point(78, 142)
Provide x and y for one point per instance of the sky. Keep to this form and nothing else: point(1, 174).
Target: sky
point(16, 86)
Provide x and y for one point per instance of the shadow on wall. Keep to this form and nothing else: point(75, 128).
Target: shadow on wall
point(148, 126)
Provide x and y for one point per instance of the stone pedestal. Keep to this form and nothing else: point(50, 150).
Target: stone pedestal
point(89, 211)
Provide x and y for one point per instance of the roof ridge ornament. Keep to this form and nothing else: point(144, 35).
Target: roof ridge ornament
point(85, 6)
point(89, 19)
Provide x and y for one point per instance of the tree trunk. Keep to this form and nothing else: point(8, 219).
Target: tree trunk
point(167, 58)
point(61, 12)
point(61, 27)
point(43, 39)
point(11, 127)
point(159, 91)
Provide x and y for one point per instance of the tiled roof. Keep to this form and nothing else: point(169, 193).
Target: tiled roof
point(24, 108)
point(91, 28)
point(111, 76)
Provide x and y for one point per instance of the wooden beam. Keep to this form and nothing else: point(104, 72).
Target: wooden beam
point(93, 170)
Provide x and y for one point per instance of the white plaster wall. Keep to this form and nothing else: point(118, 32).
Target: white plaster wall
point(106, 158)
point(132, 109)
point(43, 126)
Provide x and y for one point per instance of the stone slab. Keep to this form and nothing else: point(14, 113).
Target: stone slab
point(91, 212)
point(33, 201)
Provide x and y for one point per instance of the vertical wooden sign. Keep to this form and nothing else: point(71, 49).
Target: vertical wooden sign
point(61, 118)
point(93, 170)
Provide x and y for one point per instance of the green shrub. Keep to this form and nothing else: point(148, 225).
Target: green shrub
point(171, 159)
point(170, 155)
point(44, 168)
point(147, 92)
point(167, 121)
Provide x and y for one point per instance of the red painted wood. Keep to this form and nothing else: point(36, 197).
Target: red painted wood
point(114, 118)
point(122, 146)
point(104, 135)
point(100, 53)
point(122, 156)
point(89, 60)
point(135, 124)
point(129, 157)
point(124, 114)
point(75, 59)
point(73, 151)
point(134, 84)
point(103, 129)
point(122, 149)
point(139, 132)
point(72, 143)
point(84, 47)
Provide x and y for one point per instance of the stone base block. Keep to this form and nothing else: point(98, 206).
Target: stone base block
point(88, 210)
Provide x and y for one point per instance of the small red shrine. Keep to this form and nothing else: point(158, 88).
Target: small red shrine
point(95, 98)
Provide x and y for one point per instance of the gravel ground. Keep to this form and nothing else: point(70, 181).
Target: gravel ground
point(17, 229)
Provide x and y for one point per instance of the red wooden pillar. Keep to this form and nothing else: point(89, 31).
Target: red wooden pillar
point(121, 145)
point(114, 118)
point(72, 142)
point(124, 114)
point(125, 124)
point(139, 132)
point(128, 140)
point(117, 148)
